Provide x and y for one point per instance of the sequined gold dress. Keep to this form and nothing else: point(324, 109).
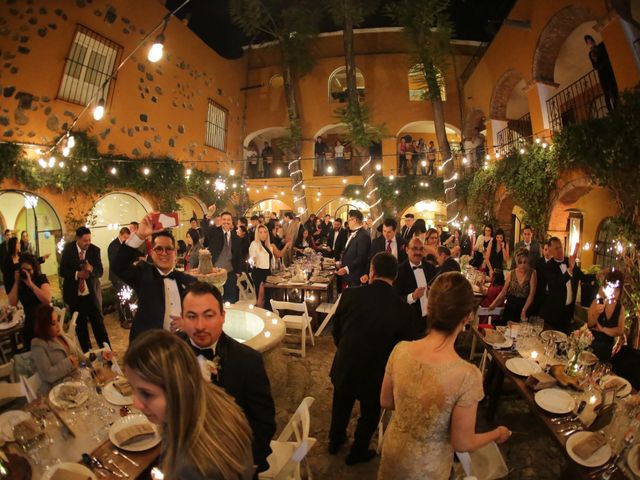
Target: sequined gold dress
point(417, 442)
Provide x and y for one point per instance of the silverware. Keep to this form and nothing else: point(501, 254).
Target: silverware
point(115, 451)
point(115, 465)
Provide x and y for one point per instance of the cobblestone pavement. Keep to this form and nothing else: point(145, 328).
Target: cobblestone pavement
point(531, 453)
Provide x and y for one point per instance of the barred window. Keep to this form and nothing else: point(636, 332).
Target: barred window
point(90, 62)
point(216, 126)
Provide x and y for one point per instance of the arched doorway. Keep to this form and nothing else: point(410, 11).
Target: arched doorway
point(331, 135)
point(268, 205)
point(29, 212)
point(509, 111)
point(339, 208)
point(426, 130)
point(109, 214)
point(433, 212)
point(255, 143)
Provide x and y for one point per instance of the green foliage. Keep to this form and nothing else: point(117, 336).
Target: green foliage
point(360, 131)
point(409, 191)
point(357, 10)
point(481, 194)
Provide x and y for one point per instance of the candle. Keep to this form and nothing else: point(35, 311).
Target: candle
point(534, 355)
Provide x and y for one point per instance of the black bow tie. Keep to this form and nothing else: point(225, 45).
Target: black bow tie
point(416, 268)
point(171, 275)
point(207, 353)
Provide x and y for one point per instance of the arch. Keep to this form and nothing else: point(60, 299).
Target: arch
point(338, 127)
point(551, 39)
point(501, 94)
point(427, 126)
point(571, 190)
point(339, 207)
point(29, 211)
point(504, 205)
point(337, 85)
point(268, 133)
point(433, 212)
point(268, 204)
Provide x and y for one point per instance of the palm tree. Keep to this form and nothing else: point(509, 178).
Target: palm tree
point(348, 14)
point(292, 23)
point(428, 30)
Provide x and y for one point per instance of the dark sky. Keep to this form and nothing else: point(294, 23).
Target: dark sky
point(209, 19)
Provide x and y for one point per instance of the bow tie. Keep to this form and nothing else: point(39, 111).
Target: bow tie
point(207, 353)
point(416, 268)
point(171, 275)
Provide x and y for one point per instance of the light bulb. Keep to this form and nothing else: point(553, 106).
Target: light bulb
point(84, 168)
point(282, 194)
point(265, 187)
point(209, 182)
point(378, 167)
point(146, 171)
point(65, 152)
point(487, 157)
point(538, 140)
point(278, 171)
point(522, 151)
point(319, 194)
point(71, 141)
point(232, 172)
point(98, 112)
point(114, 170)
point(357, 192)
point(465, 160)
point(188, 171)
point(304, 187)
point(52, 162)
point(61, 164)
point(344, 180)
point(396, 192)
point(391, 177)
point(497, 154)
point(424, 163)
point(156, 50)
point(234, 185)
point(248, 189)
point(329, 169)
point(42, 163)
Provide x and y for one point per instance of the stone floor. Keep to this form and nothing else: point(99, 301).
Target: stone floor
point(530, 454)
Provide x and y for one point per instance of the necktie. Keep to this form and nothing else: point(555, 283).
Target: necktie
point(82, 284)
point(388, 246)
point(416, 268)
point(226, 238)
point(207, 353)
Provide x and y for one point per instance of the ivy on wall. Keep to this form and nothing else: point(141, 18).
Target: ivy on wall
point(166, 181)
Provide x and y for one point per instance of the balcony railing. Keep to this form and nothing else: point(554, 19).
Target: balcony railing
point(515, 134)
point(582, 100)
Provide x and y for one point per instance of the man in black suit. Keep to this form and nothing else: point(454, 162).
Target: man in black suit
point(236, 368)
point(529, 244)
point(368, 323)
point(407, 229)
point(468, 241)
point(446, 263)
point(327, 227)
point(414, 275)
point(389, 242)
point(158, 285)
point(81, 269)
point(354, 262)
point(226, 250)
point(559, 277)
point(337, 239)
point(112, 251)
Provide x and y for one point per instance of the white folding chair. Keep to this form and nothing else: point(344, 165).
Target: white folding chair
point(291, 446)
point(329, 312)
point(301, 322)
point(482, 312)
point(6, 371)
point(486, 463)
point(62, 312)
point(71, 331)
point(248, 294)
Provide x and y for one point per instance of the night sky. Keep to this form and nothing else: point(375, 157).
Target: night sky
point(209, 19)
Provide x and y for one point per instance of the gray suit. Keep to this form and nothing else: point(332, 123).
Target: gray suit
point(52, 361)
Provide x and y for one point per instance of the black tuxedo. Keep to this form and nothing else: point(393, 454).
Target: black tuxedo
point(380, 245)
point(407, 233)
point(449, 265)
point(369, 321)
point(552, 281)
point(339, 244)
point(147, 282)
point(88, 306)
point(356, 257)
point(242, 375)
point(215, 243)
point(406, 283)
point(466, 245)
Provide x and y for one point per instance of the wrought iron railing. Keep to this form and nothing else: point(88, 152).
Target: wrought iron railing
point(580, 101)
point(514, 134)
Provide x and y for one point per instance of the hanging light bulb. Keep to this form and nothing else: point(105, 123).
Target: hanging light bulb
point(465, 160)
point(156, 50)
point(42, 163)
point(114, 170)
point(278, 171)
point(71, 141)
point(378, 167)
point(84, 168)
point(98, 112)
point(188, 172)
point(61, 164)
point(52, 162)
point(344, 180)
point(146, 171)
point(329, 169)
point(232, 172)
point(65, 152)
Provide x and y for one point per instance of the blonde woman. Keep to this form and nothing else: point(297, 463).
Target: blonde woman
point(205, 434)
point(261, 254)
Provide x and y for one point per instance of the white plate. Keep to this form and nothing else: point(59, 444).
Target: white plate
point(113, 396)
point(508, 341)
point(10, 419)
point(623, 392)
point(73, 467)
point(600, 457)
point(554, 400)
point(82, 397)
point(522, 366)
point(557, 336)
point(7, 325)
point(632, 460)
point(136, 446)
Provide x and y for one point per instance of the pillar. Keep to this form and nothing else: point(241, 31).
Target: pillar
point(619, 37)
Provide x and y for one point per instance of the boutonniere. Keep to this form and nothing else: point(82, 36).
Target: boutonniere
point(215, 367)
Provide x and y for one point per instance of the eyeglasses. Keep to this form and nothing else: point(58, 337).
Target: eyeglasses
point(417, 249)
point(160, 249)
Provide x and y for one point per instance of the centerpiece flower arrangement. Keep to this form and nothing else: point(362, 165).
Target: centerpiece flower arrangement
point(577, 342)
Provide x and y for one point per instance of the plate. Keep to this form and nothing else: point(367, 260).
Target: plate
point(623, 392)
point(72, 467)
point(600, 457)
point(113, 396)
point(10, 419)
point(508, 341)
point(522, 366)
point(82, 397)
point(555, 334)
point(7, 325)
point(140, 446)
point(633, 462)
point(554, 400)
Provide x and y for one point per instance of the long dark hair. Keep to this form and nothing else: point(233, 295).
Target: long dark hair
point(12, 246)
point(31, 260)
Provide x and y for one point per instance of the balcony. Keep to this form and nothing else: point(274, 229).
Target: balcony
point(515, 134)
point(582, 100)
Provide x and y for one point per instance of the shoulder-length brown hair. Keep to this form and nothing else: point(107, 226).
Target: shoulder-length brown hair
point(44, 317)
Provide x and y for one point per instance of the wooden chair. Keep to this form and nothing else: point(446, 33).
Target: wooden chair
point(291, 447)
point(301, 321)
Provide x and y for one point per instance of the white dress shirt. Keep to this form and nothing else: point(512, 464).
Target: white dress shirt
point(260, 256)
point(421, 281)
point(563, 269)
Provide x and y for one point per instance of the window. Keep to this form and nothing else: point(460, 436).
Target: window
point(418, 88)
point(338, 85)
point(277, 81)
point(605, 249)
point(90, 63)
point(216, 126)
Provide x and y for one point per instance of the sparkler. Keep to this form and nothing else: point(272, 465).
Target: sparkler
point(609, 291)
point(125, 294)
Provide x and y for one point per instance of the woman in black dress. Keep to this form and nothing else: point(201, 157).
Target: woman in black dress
point(606, 316)
point(497, 252)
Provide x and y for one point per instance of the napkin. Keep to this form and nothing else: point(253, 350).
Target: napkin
point(589, 445)
point(540, 381)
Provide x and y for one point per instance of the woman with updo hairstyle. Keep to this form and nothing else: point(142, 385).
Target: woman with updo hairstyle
point(434, 392)
point(205, 434)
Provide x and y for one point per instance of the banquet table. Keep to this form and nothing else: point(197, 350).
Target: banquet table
point(499, 359)
point(90, 424)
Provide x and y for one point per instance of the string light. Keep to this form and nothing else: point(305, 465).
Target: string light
point(98, 112)
point(232, 172)
point(65, 151)
point(61, 164)
point(378, 167)
point(84, 168)
point(278, 171)
point(71, 141)
point(42, 163)
point(146, 171)
point(52, 161)
point(329, 169)
point(114, 170)
point(344, 180)
point(188, 172)
point(156, 50)
point(391, 178)
point(369, 179)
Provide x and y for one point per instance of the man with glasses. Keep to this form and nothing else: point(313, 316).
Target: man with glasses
point(413, 277)
point(159, 286)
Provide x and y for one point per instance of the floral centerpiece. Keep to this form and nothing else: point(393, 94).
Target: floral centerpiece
point(577, 342)
point(464, 261)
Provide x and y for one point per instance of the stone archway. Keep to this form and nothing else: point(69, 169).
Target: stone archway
point(551, 39)
point(502, 93)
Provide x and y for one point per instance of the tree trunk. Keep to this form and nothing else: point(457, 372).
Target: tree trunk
point(367, 170)
point(294, 150)
point(445, 151)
